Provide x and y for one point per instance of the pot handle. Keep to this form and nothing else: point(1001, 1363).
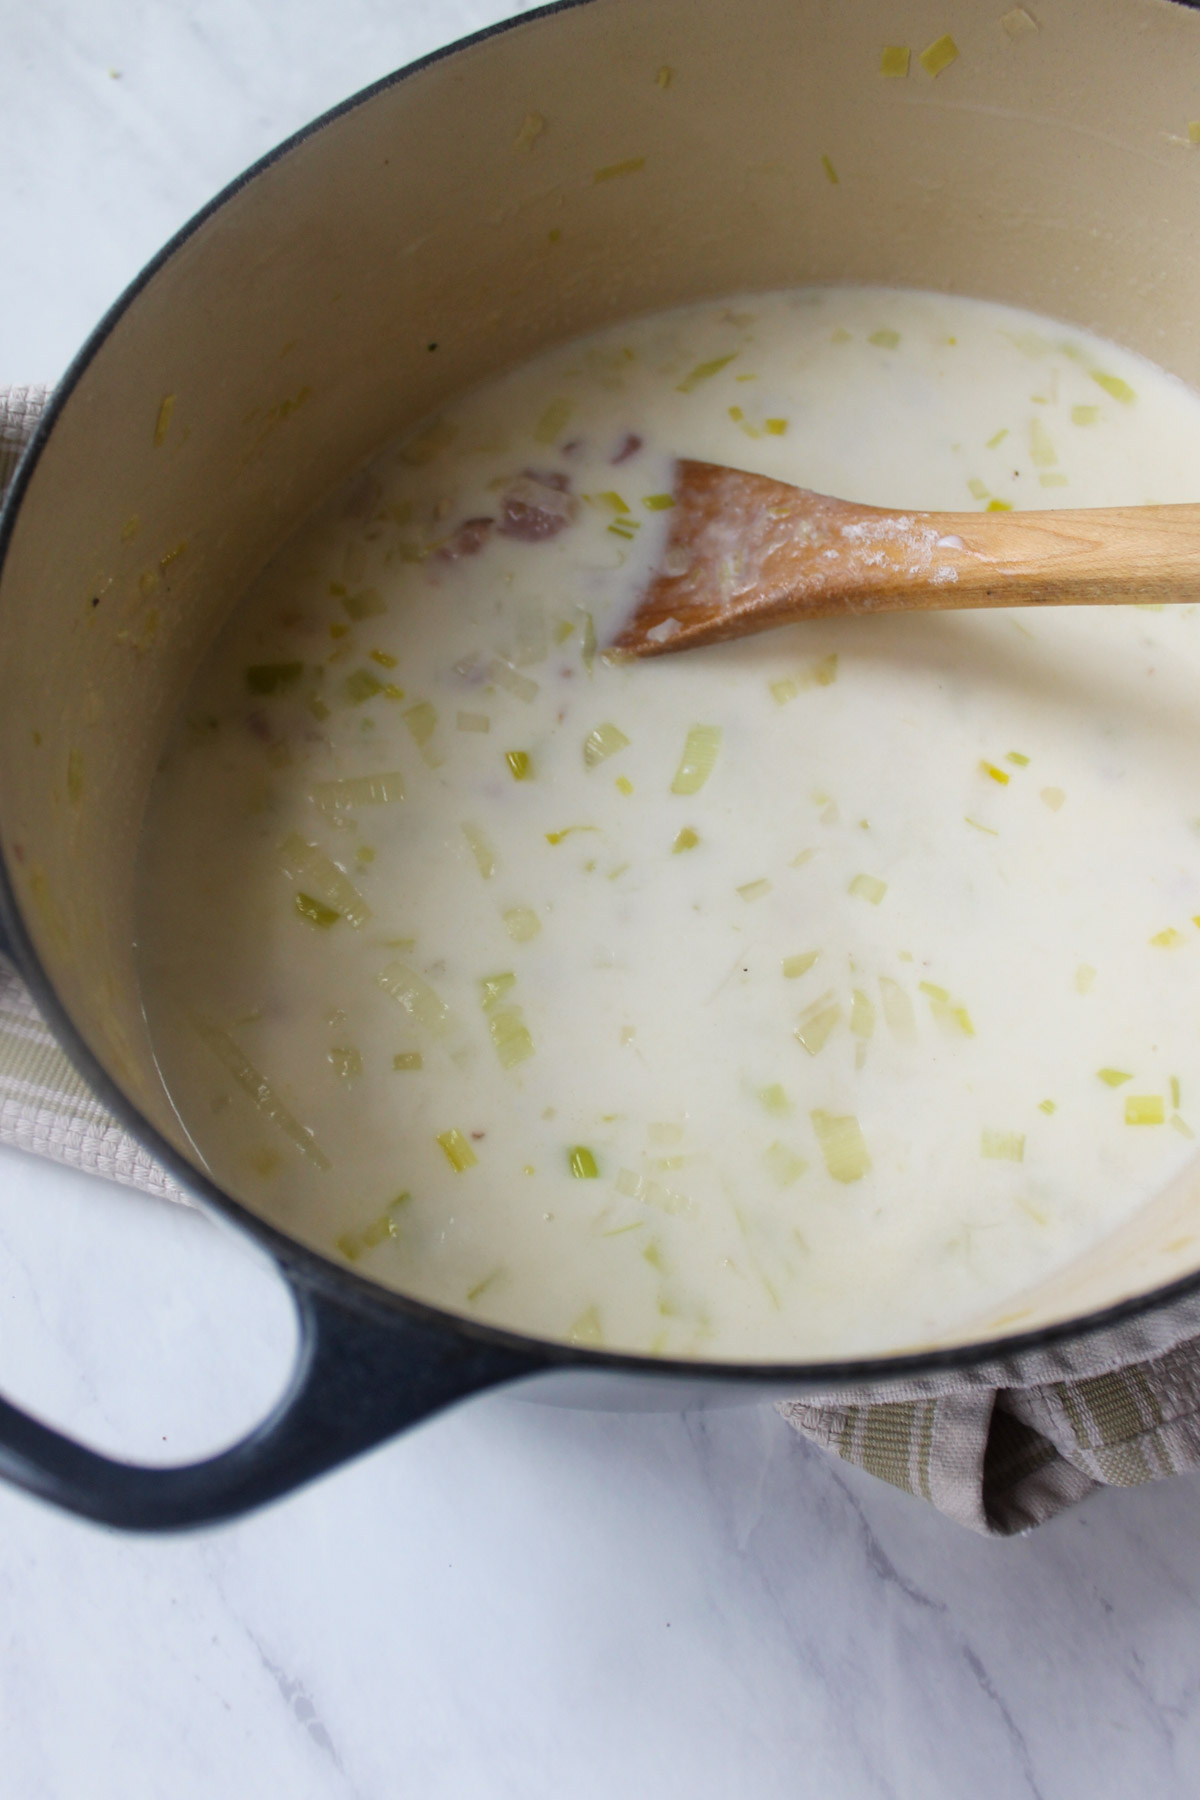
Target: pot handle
point(360, 1377)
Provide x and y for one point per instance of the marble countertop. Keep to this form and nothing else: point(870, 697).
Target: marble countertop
point(514, 1602)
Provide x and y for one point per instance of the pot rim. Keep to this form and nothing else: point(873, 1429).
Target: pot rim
point(311, 1269)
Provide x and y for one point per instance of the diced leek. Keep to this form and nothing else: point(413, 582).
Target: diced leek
point(352, 1244)
point(481, 850)
point(704, 371)
point(520, 764)
point(1084, 415)
point(458, 1151)
point(361, 686)
point(1084, 977)
point(587, 1328)
point(582, 1163)
point(868, 887)
point(473, 721)
point(494, 987)
point(995, 774)
point(842, 1145)
point(755, 890)
point(407, 1060)
point(895, 60)
point(1170, 939)
point(236, 1063)
point(795, 966)
point(783, 1164)
point(522, 924)
point(784, 690)
point(358, 790)
point(302, 861)
point(624, 784)
point(817, 1023)
point(369, 604)
point(553, 421)
point(687, 839)
point(663, 1134)
point(1112, 384)
point(1145, 1109)
point(831, 174)
point(556, 837)
point(421, 720)
point(316, 912)
point(423, 1004)
point(885, 338)
point(1053, 797)
point(897, 1009)
point(601, 743)
point(1041, 447)
point(1016, 756)
point(632, 165)
point(346, 1062)
point(505, 675)
point(658, 502)
point(939, 55)
point(1002, 1146)
point(774, 1099)
point(699, 759)
point(509, 1035)
point(613, 501)
point(1047, 1106)
point(273, 678)
point(1113, 1077)
point(862, 1015)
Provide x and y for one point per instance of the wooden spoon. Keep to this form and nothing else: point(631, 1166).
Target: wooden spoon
point(746, 553)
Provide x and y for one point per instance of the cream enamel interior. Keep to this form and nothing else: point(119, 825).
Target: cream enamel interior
point(293, 327)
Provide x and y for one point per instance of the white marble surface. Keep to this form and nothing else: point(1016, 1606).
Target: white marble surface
point(513, 1601)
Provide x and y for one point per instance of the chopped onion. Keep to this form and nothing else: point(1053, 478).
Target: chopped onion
point(686, 839)
point(301, 860)
point(509, 1035)
point(587, 1328)
point(582, 1163)
point(868, 887)
point(783, 1164)
point(1053, 797)
point(862, 1015)
point(1113, 1077)
point(361, 686)
point(817, 1022)
point(358, 790)
point(494, 987)
point(408, 1059)
point(236, 1063)
point(774, 1099)
point(369, 604)
point(315, 912)
point(411, 991)
point(704, 371)
point(1170, 939)
point(895, 60)
point(842, 1145)
point(1145, 1109)
point(1084, 977)
point(481, 850)
point(346, 1062)
point(1041, 447)
point(885, 338)
point(522, 924)
point(755, 890)
point(473, 721)
point(505, 675)
point(699, 759)
point(602, 743)
point(784, 690)
point(795, 966)
point(421, 720)
point(458, 1151)
point(624, 784)
point(520, 765)
point(1002, 1146)
point(939, 55)
point(897, 1010)
point(553, 421)
point(1112, 384)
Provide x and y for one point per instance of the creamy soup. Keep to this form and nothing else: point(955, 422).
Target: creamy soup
point(797, 998)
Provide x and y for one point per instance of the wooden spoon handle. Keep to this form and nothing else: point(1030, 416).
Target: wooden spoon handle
point(746, 553)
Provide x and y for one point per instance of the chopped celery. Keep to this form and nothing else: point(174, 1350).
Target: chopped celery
point(510, 1035)
point(894, 60)
point(361, 686)
point(352, 1244)
point(582, 1163)
point(795, 966)
point(236, 1063)
point(755, 890)
point(1113, 1077)
point(384, 658)
point(522, 924)
point(587, 1328)
point(358, 790)
point(369, 604)
point(868, 887)
point(632, 165)
point(862, 1015)
point(273, 678)
point(687, 839)
point(939, 55)
point(553, 421)
point(1170, 939)
point(817, 1023)
point(601, 743)
point(658, 502)
point(520, 764)
point(897, 1009)
point(458, 1151)
point(704, 371)
point(301, 860)
point(783, 1164)
point(423, 1004)
point(885, 338)
point(842, 1146)
point(346, 1062)
point(1053, 797)
point(481, 850)
point(775, 427)
point(831, 174)
point(408, 1059)
point(473, 721)
point(998, 775)
point(315, 912)
point(1112, 384)
point(613, 501)
point(1145, 1109)
point(1002, 1146)
point(494, 987)
point(698, 760)
point(1047, 1106)
point(1015, 756)
point(624, 784)
point(999, 506)
point(505, 675)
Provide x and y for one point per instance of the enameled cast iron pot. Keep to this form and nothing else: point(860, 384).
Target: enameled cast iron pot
point(442, 226)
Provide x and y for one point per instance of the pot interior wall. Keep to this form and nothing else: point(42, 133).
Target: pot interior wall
point(618, 157)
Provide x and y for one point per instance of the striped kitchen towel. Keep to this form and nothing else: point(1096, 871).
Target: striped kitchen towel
point(999, 1448)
